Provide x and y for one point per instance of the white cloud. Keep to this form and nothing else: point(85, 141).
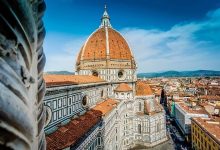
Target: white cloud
point(186, 46)
point(61, 51)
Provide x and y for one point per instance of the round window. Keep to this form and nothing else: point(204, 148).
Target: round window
point(84, 101)
point(120, 74)
point(95, 73)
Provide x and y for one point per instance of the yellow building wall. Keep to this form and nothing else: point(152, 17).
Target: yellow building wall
point(201, 140)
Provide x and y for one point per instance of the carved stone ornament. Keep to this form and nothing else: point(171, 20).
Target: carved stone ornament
point(22, 114)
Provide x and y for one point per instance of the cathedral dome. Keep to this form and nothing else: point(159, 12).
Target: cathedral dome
point(105, 43)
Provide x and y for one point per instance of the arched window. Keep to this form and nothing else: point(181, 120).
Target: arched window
point(139, 128)
point(158, 127)
point(102, 93)
point(84, 101)
point(139, 106)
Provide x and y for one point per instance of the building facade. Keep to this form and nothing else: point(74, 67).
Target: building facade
point(123, 111)
point(205, 134)
point(183, 114)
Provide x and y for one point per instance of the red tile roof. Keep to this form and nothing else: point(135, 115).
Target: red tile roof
point(68, 134)
point(123, 87)
point(210, 97)
point(57, 80)
point(143, 89)
point(106, 106)
point(188, 109)
point(95, 47)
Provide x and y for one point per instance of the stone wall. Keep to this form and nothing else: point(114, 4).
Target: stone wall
point(22, 115)
point(66, 102)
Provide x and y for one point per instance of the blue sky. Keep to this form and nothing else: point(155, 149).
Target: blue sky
point(163, 34)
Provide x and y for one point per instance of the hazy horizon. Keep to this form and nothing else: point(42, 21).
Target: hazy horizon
point(142, 72)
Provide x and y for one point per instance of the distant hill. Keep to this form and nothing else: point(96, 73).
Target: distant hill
point(197, 73)
point(60, 72)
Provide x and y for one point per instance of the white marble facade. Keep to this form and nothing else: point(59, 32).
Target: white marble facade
point(124, 127)
point(65, 102)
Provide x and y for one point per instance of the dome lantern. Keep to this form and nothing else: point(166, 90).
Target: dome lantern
point(105, 20)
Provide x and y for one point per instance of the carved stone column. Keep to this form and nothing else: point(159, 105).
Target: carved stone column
point(22, 114)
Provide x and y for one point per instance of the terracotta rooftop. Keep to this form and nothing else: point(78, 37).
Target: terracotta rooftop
point(123, 87)
point(106, 106)
point(203, 104)
point(192, 99)
point(143, 89)
point(170, 101)
point(57, 80)
point(70, 133)
point(210, 97)
point(195, 110)
point(177, 100)
point(210, 126)
point(181, 94)
point(95, 46)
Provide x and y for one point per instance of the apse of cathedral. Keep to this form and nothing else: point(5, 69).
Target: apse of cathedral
point(102, 106)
